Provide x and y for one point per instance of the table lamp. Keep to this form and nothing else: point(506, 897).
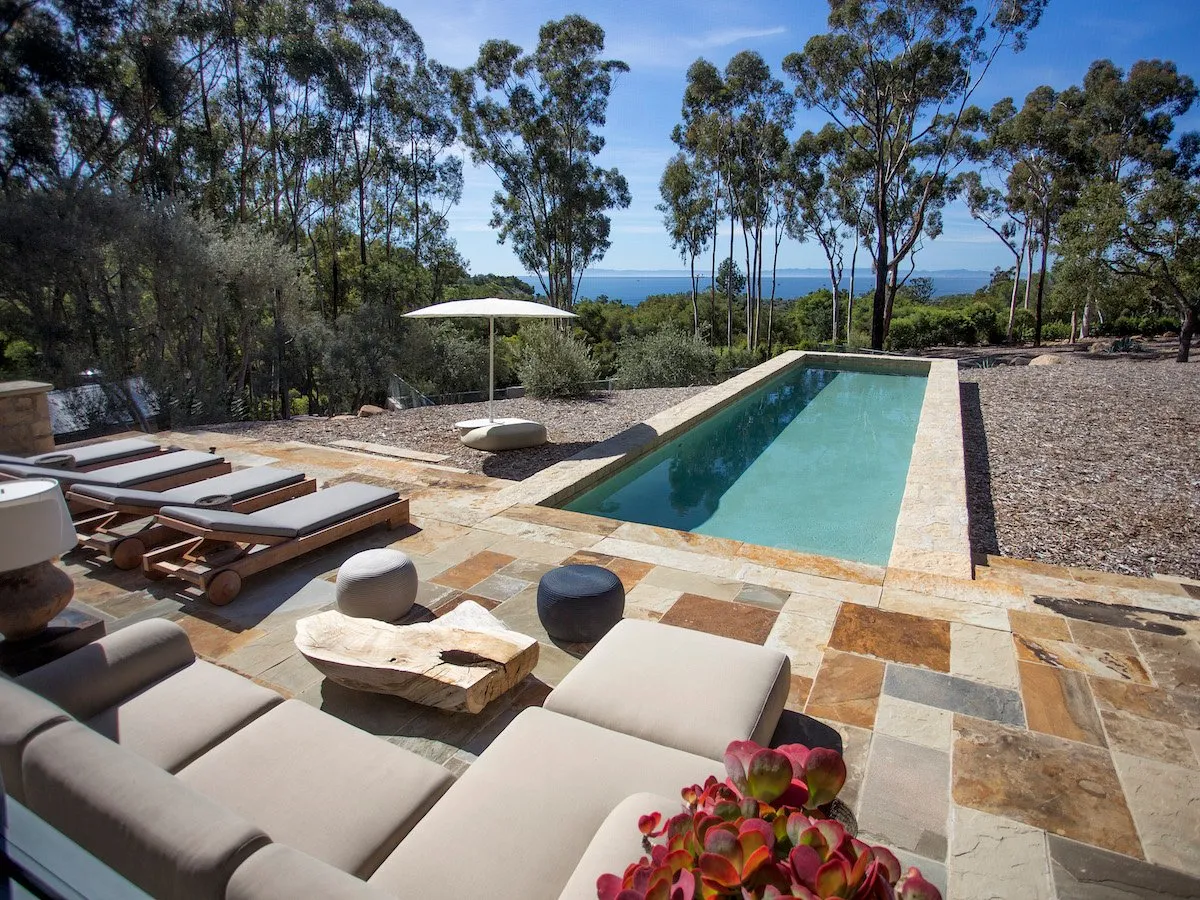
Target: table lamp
point(35, 528)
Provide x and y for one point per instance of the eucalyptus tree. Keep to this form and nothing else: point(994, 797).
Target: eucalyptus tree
point(897, 77)
point(688, 211)
point(987, 205)
point(534, 120)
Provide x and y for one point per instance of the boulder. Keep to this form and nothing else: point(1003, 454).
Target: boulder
point(1047, 359)
point(369, 410)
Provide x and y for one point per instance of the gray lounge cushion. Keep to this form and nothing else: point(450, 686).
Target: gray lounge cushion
point(617, 843)
point(744, 687)
point(528, 809)
point(295, 518)
point(23, 714)
point(104, 451)
point(164, 837)
point(125, 474)
point(175, 720)
point(313, 782)
point(107, 671)
point(237, 485)
point(277, 871)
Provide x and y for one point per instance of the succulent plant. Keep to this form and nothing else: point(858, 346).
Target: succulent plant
point(758, 834)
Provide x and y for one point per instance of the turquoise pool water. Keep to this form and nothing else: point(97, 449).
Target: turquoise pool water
point(815, 460)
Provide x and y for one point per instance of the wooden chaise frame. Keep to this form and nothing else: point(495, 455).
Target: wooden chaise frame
point(98, 529)
point(179, 479)
point(217, 561)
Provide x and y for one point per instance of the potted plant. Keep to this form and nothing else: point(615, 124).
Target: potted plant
point(762, 833)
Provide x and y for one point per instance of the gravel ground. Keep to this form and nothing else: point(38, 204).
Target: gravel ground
point(1093, 463)
point(573, 425)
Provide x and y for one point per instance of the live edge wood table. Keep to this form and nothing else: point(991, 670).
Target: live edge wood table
point(460, 662)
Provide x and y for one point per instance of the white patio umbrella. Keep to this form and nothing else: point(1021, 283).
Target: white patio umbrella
point(490, 308)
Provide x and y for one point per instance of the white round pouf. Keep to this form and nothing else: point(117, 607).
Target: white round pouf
point(509, 434)
point(377, 584)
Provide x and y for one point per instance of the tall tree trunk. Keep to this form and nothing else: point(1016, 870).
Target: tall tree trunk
point(1085, 329)
point(695, 300)
point(1029, 251)
point(879, 306)
point(850, 301)
point(1186, 331)
point(712, 278)
point(729, 285)
point(1012, 306)
point(1041, 290)
point(280, 378)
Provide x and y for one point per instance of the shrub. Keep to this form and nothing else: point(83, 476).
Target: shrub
point(928, 326)
point(668, 357)
point(730, 360)
point(760, 834)
point(984, 319)
point(554, 363)
point(1056, 331)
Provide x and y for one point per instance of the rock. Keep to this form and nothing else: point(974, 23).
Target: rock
point(368, 410)
point(1047, 359)
point(344, 417)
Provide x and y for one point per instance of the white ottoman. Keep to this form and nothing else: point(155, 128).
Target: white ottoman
point(377, 584)
point(503, 434)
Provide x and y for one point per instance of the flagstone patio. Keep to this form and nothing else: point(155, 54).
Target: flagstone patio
point(1034, 731)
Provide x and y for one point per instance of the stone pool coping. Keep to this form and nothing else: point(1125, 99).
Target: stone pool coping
point(931, 529)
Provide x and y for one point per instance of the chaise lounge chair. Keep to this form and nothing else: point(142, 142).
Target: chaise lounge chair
point(106, 526)
point(226, 547)
point(156, 473)
point(90, 456)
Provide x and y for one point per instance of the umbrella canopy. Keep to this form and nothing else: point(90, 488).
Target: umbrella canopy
point(490, 308)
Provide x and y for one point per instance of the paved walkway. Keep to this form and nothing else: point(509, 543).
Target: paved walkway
point(1034, 732)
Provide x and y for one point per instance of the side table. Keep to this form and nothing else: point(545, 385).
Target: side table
point(68, 631)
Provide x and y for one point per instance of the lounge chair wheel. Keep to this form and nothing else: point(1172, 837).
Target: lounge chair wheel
point(223, 587)
point(128, 553)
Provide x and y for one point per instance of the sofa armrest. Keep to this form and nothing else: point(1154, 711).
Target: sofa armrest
point(281, 871)
point(104, 673)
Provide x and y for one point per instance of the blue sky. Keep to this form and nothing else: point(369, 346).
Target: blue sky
point(660, 39)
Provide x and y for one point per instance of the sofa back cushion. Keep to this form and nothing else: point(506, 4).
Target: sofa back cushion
point(23, 714)
point(167, 839)
point(105, 672)
point(278, 870)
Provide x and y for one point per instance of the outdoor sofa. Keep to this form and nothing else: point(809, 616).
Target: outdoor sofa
point(194, 782)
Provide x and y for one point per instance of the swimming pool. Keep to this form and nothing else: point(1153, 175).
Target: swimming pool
point(815, 460)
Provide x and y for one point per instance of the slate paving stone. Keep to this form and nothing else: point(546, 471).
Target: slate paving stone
point(914, 722)
point(1120, 615)
point(913, 818)
point(933, 871)
point(1104, 663)
point(1174, 662)
point(1038, 625)
point(739, 621)
point(1063, 787)
point(959, 695)
point(846, 689)
point(1165, 803)
point(1149, 738)
point(992, 858)
point(526, 570)
point(1102, 637)
point(1082, 872)
point(894, 636)
point(499, 587)
point(798, 691)
point(1174, 707)
point(1057, 701)
point(458, 598)
point(470, 572)
point(630, 571)
point(802, 639)
point(982, 654)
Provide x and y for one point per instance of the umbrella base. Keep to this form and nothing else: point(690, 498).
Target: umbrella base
point(502, 434)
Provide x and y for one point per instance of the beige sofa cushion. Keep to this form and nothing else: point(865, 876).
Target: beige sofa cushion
point(23, 714)
point(516, 823)
point(278, 871)
point(678, 687)
point(317, 784)
point(175, 720)
point(105, 672)
point(617, 843)
point(168, 840)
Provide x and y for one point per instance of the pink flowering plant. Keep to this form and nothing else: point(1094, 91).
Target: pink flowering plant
point(760, 834)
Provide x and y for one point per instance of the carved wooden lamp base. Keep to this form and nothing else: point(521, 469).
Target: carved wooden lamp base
point(30, 597)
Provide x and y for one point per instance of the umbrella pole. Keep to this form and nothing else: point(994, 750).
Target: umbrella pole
point(491, 365)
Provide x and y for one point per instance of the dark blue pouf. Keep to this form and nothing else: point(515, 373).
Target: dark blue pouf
point(578, 603)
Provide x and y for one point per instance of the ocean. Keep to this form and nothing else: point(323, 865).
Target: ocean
point(633, 289)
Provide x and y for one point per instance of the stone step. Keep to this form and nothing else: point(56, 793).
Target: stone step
point(388, 450)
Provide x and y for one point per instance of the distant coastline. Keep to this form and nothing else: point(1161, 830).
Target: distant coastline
point(633, 287)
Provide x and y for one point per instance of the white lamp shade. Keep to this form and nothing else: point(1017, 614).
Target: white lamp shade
point(35, 524)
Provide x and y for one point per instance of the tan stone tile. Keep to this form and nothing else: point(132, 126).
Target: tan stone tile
point(1060, 786)
point(814, 607)
point(1101, 637)
point(213, 637)
point(1008, 563)
point(683, 560)
point(1165, 803)
point(812, 585)
point(424, 536)
point(804, 640)
point(1081, 659)
point(798, 691)
point(1148, 738)
point(677, 540)
point(630, 571)
point(988, 593)
point(562, 518)
point(900, 600)
point(810, 564)
point(690, 582)
point(1057, 701)
point(548, 534)
point(535, 551)
point(914, 722)
point(991, 857)
point(641, 613)
point(474, 570)
point(983, 654)
point(846, 689)
point(650, 597)
point(739, 621)
point(1039, 625)
point(894, 636)
point(1175, 708)
point(526, 569)
point(1127, 582)
point(464, 547)
point(456, 599)
point(1174, 661)
point(1193, 738)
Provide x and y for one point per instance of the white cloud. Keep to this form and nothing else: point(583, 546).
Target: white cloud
point(723, 37)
